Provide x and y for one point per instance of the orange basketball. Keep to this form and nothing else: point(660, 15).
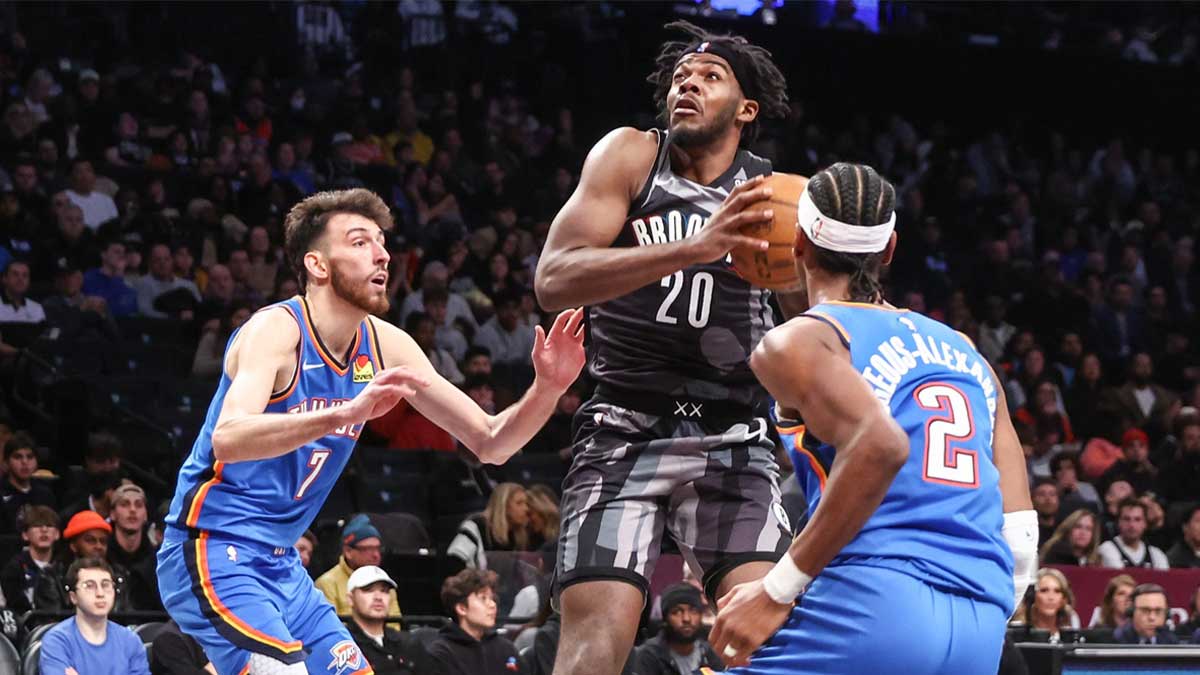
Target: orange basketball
point(775, 267)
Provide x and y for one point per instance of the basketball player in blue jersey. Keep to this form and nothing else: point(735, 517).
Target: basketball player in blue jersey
point(301, 377)
point(923, 499)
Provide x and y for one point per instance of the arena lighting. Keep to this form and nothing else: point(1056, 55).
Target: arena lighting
point(731, 9)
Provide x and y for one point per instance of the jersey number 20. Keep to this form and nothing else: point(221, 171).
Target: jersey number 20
point(944, 463)
point(699, 302)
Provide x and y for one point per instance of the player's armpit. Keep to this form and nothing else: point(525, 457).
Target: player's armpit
point(804, 366)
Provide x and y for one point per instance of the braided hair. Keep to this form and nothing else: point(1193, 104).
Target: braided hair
point(858, 195)
point(767, 80)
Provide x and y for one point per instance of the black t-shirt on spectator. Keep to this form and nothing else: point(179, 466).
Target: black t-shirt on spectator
point(400, 653)
point(175, 653)
point(457, 653)
point(141, 585)
point(18, 580)
point(13, 499)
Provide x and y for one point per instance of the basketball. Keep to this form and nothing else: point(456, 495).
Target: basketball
point(774, 268)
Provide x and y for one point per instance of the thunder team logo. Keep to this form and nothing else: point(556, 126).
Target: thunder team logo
point(363, 370)
point(346, 657)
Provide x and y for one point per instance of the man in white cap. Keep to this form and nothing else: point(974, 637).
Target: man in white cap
point(388, 651)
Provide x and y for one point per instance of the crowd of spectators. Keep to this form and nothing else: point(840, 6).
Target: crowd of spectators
point(157, 193)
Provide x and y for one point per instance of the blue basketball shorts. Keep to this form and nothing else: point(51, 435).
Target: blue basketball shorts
point(864, 619)
point(237, 598)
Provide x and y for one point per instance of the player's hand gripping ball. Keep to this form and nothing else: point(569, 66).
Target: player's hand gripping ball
point(774, 268)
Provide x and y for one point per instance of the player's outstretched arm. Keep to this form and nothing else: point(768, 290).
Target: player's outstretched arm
point(577, 267)
point(804, 366)
point(264, 349)
point(558, 357)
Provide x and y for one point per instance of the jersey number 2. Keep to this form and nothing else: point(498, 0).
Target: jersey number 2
point(945, 464)
point(316, 461)
point(700, 303)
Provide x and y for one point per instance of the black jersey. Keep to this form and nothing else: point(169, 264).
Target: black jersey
point(690, 333)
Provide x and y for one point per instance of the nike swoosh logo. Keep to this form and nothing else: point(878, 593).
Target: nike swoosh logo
point(311, 366)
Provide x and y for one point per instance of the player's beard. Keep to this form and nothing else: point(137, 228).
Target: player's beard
point(685, 137)
point(362, 295)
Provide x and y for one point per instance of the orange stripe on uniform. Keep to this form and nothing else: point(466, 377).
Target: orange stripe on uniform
point(832, 322)
point(798, 432)
point(246, 670)
point(866, 305)
point(194, 511)
point(373, 345)
point(326, 356)
point(210, 594)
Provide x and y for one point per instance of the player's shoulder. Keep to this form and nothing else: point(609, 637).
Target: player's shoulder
point(274, 326)
point(626, 146)
point(798, 339)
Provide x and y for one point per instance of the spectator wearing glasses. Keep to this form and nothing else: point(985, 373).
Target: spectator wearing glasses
point(88, 643)
point(1148, 614)
point(361, 545)
point(87, 534)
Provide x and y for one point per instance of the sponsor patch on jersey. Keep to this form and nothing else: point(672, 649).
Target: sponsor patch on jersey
point(511, 664)
point(363, 370)
point(346, 657)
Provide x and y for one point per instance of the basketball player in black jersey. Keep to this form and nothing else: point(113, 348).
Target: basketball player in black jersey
point(675, 440)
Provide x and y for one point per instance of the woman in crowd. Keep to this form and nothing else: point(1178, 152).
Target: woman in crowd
point(502, 526)
point(543, 517)
point(1049, 604)
point(1113, 611)
point(1074, 541)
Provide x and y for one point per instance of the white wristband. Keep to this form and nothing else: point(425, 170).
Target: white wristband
point(785, 581)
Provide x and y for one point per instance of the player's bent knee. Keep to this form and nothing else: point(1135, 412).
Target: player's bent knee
point(261, 664)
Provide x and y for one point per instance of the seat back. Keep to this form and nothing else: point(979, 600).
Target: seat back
point(10, 658)
point(31, 665)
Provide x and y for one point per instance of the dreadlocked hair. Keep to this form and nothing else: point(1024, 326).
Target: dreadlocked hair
point(771, 86)
point(858, 195)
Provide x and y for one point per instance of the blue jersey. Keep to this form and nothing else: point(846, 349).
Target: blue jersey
point(941, 518)
point(272, 501)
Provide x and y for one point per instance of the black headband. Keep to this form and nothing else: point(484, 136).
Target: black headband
point(736, 61)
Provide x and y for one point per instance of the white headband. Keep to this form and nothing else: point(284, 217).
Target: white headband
point(838, 236)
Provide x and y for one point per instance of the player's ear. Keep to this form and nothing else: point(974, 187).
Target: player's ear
point(748, 111)
point(316, 265)
point(801, 244)
point(889, 250)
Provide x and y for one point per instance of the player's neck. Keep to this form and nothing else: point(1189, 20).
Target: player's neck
point(704, 164)
point(824, 287)
point(335, 320)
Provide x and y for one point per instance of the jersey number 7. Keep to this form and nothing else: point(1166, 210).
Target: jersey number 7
point(315, 462)
point(944, 463)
